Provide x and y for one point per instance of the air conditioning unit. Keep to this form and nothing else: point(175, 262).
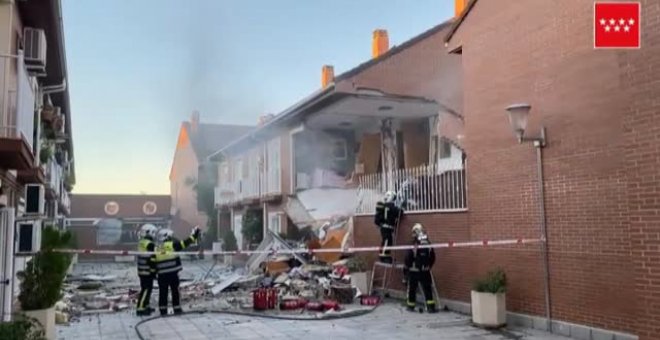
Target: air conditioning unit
point(28, 237)
point(34, 41)
point(35, 195)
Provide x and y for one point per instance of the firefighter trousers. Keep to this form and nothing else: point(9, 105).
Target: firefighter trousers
point(167, 282)
point(387, 239)
point(424, 279)
point(146, 287)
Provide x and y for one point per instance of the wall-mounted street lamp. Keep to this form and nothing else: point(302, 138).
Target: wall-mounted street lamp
point(518, 114)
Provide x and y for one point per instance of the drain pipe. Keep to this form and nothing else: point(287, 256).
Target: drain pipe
point(54, 88)
point(539, 144)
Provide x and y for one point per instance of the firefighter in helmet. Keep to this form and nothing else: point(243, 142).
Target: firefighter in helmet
point(168, 266)
point(418, 264)
point(146, 266)
point(387, 217)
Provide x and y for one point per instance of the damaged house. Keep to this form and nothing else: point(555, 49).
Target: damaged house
point(391, 123)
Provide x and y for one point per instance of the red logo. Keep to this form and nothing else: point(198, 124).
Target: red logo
point(617, 24)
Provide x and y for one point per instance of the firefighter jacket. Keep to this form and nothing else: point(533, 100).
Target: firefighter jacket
point(146, 264)
point(387, 214)
point(167, 259)
point(420, 259)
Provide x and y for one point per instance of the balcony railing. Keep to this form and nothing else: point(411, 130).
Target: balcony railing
point(429, 188)
point(17, 122)
point(256, 187)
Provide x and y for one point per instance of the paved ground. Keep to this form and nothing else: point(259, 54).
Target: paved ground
point(388, 321)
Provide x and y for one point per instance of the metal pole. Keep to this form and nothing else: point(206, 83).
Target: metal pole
point(544, 231)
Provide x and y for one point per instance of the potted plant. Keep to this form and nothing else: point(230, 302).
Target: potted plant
point(489, 300)
point(22, 327)
point(357, 267)
point(42, 279)
point(46, 152)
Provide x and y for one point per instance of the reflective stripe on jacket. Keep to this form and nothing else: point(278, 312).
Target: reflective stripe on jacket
point(167, 261)
point(145, 263)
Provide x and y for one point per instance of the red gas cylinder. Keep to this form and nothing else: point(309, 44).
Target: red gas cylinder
point(302, 303)
point(289, 305)
point(329, 304)
point(369, 300)
point(314, 306)
point(272, 298)
point(259, 299)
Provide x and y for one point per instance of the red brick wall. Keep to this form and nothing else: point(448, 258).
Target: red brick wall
point(424, 70)
point(641, 125)
point(601, 193)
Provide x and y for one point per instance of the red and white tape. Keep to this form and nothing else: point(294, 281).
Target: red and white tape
point(314, 251)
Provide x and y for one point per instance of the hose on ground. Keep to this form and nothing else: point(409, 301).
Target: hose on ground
point(260, 315)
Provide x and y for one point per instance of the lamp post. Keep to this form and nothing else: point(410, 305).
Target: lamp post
point(518, 114)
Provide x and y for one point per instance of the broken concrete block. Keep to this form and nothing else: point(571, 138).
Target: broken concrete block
point(281, 279)
point(60, 306)
point(61, 318)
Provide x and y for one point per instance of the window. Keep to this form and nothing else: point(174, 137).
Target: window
point(339, 149)
point(274, 222)
point(444, 149)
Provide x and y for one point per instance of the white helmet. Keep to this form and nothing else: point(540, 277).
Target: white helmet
point(390, 196)
point(148, 230)
point(164, 234)
point(417, 229)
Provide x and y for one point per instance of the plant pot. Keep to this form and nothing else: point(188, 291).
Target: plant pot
point(46, 318)
point(361, 281)
point(488, 310)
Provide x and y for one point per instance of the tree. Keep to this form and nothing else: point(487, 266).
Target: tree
point(204, 188)
point(253, 226)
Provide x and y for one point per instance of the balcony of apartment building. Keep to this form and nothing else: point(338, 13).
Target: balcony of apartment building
point(361, 145)
point(18, 100)
point(252, 176)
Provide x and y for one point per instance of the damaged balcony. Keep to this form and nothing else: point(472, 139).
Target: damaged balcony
point(369, 143)
point(252, 177)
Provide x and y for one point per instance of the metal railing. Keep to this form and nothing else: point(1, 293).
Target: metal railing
point(429, 188)
point(17, 120)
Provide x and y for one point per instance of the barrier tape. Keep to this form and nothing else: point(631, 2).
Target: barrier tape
point(312, 251)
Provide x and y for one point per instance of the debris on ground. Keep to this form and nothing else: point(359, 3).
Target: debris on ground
point(275, 281)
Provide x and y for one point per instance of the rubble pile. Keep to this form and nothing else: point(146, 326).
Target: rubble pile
point(295, 284)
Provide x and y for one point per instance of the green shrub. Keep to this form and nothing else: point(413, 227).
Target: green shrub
point(253, 227)
point(356, 264)
point(494, 282)
point(41, 281)
point(229, 241)
point(22, 328)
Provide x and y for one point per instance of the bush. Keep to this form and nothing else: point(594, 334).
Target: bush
point(229, 241)
point(356, 264)
point(494, 282)
point(253, 227)
point(22, 328)
point(41, 281)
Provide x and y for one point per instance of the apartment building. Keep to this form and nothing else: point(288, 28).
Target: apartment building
point(391, 123)
point(36, 145)
point(196, 141)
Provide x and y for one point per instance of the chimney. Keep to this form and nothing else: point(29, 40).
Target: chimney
point(459, 7)
point(263, 119)
point(194, 120)
point(327, 75)
point(380, 43)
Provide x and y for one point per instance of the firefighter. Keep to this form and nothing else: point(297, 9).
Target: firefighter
point(146, 266)
point(418, 264)
point(168, 266)
point(387, 217)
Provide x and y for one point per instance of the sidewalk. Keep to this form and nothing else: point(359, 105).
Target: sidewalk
point(389, 321)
